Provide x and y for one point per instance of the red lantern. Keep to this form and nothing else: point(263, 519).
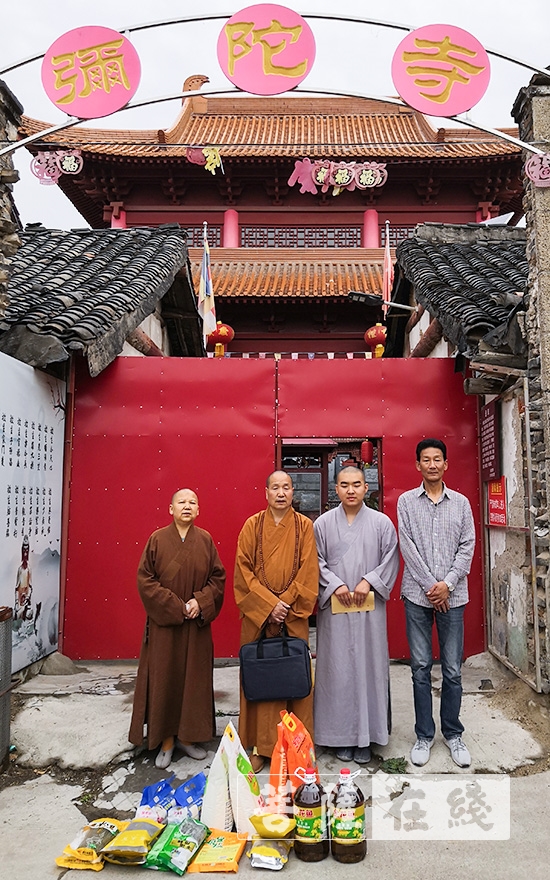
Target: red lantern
point(375, 337)
point(222, 336)
point(367, 452)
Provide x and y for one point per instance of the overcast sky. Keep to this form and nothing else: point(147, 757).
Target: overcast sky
point(350, 57)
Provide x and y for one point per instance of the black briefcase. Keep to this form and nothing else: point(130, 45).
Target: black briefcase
point(278, 668)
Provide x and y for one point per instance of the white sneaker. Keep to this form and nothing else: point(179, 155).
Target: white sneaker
point(420, 752)
point(459, 752)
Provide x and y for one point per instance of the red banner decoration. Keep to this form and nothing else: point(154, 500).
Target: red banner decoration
point(49, 165)
point(496, 495)
point(266, 49)
point(537, 169)
point(441, 70)
point(91, 72)
point(325, 173)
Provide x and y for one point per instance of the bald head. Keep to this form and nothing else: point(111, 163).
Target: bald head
point(350, 473)
point(279, 493)
point(184, 507)
point(351, 489)
point(184, 490)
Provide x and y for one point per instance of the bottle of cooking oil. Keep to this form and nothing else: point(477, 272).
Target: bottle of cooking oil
point(347, 820)
point(310, 812)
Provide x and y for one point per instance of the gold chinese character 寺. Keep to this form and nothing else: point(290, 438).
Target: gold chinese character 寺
point(460, 71)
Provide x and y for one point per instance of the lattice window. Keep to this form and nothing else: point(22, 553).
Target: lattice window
point(397, 234)
point(195, 236)
point(301, 237)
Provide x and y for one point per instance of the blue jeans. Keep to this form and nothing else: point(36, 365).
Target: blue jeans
point(450, 633)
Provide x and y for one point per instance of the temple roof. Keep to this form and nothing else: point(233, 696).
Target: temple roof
point(289, 127)
point(87, 289)
point(472, 279)
point(279, 273)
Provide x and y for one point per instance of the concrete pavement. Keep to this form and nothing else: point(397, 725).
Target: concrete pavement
point(72, 731)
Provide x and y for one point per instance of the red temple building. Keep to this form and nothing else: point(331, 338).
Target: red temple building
point(298, 195)
point(287, 245)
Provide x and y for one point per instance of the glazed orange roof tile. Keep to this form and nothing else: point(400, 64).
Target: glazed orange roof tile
point(290, 127)
point(315, 273)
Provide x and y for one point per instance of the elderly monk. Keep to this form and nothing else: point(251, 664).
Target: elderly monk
point(276, 582)
point(181, 582)
point(358, 554)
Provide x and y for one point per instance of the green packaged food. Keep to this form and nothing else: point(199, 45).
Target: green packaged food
point(177, 845)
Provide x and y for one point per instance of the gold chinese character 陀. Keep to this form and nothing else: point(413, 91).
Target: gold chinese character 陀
point(237, 34)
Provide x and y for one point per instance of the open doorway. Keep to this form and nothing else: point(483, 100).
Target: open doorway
point(314, 463)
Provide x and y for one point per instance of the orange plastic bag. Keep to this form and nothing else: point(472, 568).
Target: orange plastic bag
point(294, 749)
point(279, 799)
point(300, 751)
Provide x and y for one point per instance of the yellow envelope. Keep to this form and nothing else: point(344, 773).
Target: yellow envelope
point(337, 608)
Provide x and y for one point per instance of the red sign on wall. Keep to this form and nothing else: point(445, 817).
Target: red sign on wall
point(497, 502)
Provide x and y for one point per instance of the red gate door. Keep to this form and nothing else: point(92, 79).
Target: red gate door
point(142, 429)
point(399, 401)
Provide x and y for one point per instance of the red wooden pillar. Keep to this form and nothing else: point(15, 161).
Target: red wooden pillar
point(371, 236)
point(231, 237)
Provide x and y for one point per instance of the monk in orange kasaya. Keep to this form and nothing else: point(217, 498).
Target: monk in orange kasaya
point(276, 582)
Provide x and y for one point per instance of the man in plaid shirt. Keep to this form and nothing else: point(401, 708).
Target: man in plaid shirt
point(437, 540)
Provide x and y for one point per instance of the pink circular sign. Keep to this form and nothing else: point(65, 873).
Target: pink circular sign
point(266, 49)
point(91, 72)
point(440, 70)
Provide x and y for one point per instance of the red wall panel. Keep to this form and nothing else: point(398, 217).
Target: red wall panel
point(142, 429)
point(400, 401)
point(148, 426)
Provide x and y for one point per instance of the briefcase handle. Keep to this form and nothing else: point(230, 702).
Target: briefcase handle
point(263, 637)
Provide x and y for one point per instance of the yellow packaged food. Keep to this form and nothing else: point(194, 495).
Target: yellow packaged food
point(273, 825)
point(220, 852)
point(90, 840)
point(132, 845)
point(271, 854)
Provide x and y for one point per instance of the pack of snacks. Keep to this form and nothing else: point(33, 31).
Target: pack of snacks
point(221, 852)
point(131, 846)
point(156, 800)
point(85, 849)
point(188, 797)
point(177, 845)
point(270, 854)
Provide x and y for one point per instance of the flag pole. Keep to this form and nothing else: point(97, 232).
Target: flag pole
point(206, 307)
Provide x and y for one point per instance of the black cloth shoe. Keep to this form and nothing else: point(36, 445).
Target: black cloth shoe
point(361, 755)
point(344, 753)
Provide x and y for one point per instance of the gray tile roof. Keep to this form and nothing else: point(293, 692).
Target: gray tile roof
point(471, 278)
point(85, 290)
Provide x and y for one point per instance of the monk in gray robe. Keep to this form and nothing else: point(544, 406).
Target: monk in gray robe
point(181, 584)
point(358, 553)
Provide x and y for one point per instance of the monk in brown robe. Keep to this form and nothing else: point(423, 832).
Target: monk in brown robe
point(276, 581)
point(181, 582)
